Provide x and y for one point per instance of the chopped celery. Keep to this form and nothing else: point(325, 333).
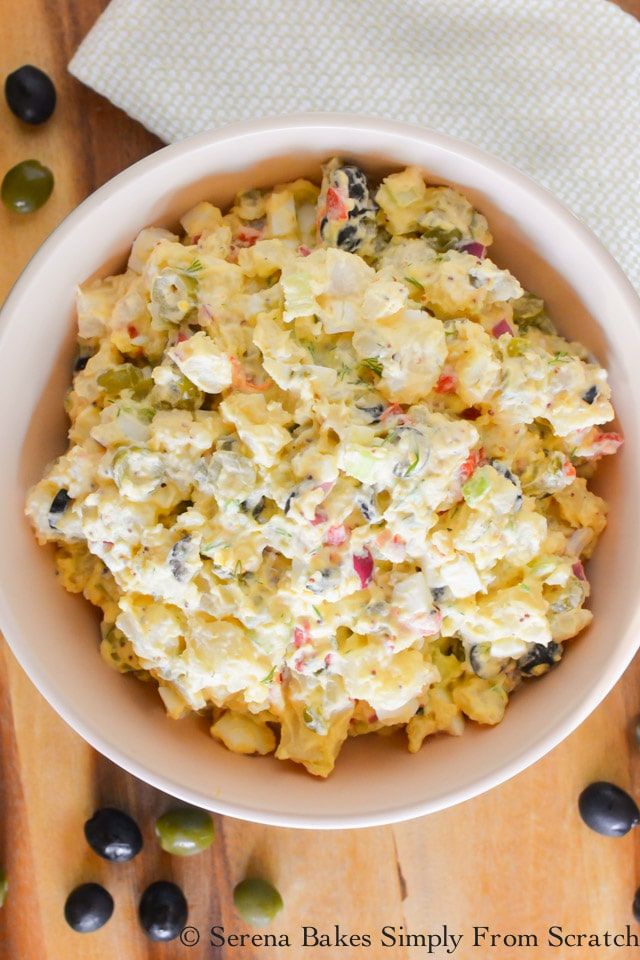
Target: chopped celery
point(476, 487)
point(542, 566)
point(360, 463)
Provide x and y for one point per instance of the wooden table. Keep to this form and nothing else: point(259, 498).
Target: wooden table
point(516, 860)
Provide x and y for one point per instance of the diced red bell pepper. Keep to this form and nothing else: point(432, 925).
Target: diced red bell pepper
point(336, 207)
point(606, 444)
point(447, 382)
point(301, 634)
point(242, 382)
point(247, 237)
point(393, 410)
point(474, 459)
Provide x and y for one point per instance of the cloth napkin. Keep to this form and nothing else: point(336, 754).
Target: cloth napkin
point(550, 85)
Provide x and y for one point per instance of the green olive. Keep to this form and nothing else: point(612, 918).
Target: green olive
point(179, 393)
point(27, 186)
point(442, 239)
point(528, 307)
point(257, 901)
point(190, 396)
point(4, 886)
point(123, 377)
point(143, 389)
point(173, 295)
point(185, 831)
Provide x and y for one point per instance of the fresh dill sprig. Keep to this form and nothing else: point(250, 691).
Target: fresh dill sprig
point(194, 267)
point(412, 466)
point(269, 677)
point(372, 363)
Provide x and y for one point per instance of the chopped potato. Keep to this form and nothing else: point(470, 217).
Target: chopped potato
point(243, 734)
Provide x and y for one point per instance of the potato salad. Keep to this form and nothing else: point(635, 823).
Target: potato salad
point(328, 467)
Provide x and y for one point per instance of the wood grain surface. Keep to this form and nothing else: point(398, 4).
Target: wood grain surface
point(515, 860)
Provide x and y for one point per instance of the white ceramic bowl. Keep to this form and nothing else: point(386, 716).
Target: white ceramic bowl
point(54, 634)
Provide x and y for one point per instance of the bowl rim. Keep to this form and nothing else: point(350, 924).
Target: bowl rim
point(338, 122)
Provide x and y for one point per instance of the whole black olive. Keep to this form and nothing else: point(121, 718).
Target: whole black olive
point(482, 662)
point(30, 94)
point(113, 835)
point(608, 809)
point(357, 180)
point(348, 238)
point(177, 556)
point(359, 223)
point(367, 508)
point(258, 508)
point(504, 470)
point(163, 910)
point(80, 363)
point(58, 506)
point(88, 908)
point(539, 659)
point(374, 411)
